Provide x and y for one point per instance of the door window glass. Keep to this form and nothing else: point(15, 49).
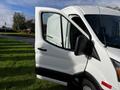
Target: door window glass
point(52, 28)
point(59, 31)
point(66, 31)
point(79, 22)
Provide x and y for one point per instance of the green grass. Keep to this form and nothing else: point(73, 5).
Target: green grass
point(18, 34)
point(17, 68)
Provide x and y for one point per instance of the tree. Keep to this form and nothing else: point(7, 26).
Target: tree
point(30, 25)
point(18, 21)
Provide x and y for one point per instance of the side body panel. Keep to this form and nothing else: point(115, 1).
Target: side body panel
point(101, 70)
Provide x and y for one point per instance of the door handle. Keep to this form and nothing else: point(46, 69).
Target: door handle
point(42, 49)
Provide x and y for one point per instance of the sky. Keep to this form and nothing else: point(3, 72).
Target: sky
point(9, 7)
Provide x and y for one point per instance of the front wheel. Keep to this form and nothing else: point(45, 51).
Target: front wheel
point(85, 84)
point(88, 85)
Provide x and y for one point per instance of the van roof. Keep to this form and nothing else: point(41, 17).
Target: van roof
point(93, 10)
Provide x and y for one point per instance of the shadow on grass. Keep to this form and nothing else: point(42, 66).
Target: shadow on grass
point(14, 71)
point(5, 42)
point(56, 87)
point(16, 48)
point(17, 84)
point(13, 47)
point(16, 51)
point(13, 44)
point(17, 58)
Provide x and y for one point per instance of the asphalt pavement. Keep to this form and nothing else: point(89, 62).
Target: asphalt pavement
point(29, 40)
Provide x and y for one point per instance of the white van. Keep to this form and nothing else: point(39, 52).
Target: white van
point(78, 46)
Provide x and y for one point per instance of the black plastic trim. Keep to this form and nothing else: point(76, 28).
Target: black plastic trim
point(61, 30)
point(93, 80)
point(53, 74)
point(45, 50)
point(66, 77)
point(114, 64)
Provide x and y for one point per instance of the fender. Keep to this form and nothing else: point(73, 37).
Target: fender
point(97, 75)
point(90, 77)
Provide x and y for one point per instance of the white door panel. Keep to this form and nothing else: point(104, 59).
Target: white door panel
point(60, 60)
point(52, 52)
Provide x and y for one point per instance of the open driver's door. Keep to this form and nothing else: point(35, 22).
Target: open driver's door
point(55, 39)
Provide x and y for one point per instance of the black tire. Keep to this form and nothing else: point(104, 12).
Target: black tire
point(81, 86)
point(71, 86)
point(87, 85)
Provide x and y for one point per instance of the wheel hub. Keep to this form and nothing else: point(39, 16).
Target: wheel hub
point(86, 88)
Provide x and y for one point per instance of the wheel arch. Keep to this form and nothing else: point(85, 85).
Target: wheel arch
point(88, 76)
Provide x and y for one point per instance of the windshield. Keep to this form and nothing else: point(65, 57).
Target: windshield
point(107, 28)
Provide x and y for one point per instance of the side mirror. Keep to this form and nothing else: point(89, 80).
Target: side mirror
point(83, 46)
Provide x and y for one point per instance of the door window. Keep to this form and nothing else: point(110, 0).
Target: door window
point(79, 22)
point(52, 28)
point(59, 31)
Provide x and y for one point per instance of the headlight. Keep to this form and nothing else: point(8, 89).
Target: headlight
point(117, 67)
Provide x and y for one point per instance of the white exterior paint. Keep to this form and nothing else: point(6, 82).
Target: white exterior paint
point(65, 61)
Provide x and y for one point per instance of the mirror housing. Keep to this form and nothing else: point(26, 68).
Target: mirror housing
point(83, 46)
